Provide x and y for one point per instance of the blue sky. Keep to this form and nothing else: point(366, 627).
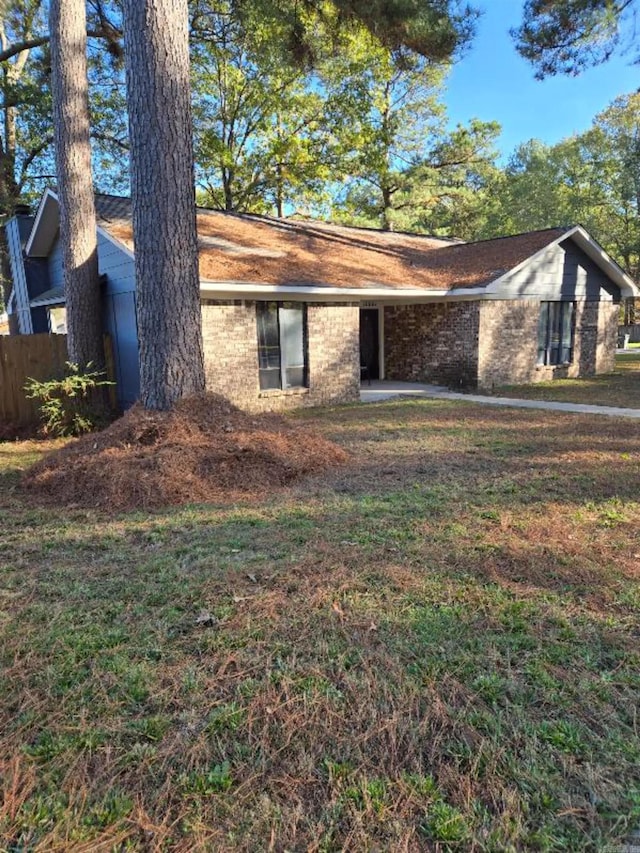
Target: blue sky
point(492, 82)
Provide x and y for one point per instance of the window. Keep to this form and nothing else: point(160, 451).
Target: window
point(58, 321)
point(555, 332)
point(282, 345)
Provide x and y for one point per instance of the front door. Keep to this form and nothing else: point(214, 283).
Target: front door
point(369, 344)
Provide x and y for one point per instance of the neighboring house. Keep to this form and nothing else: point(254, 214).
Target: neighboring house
point(295, 312)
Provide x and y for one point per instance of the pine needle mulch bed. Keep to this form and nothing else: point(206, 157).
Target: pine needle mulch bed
point(432, 647)
point(620, 388)
point(205, 449)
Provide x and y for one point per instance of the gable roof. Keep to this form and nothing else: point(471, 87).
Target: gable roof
point(244, 251)
point(478, 264)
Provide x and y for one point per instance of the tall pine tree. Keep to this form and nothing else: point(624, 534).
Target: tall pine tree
point(163, 198)
point(68, 34)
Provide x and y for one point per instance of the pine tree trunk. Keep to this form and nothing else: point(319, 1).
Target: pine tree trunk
point(279, 191)
point(163, 196)
point(68, 28)
point(387, 208)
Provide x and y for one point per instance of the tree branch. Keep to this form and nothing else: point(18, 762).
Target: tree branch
point(111, 140)
point(20, 46)
point(38, 41)
point(32, 156)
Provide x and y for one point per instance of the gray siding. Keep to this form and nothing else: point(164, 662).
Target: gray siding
point(56, 274)
point(119, 311)
point(119, 316)
point(117, 265)
point(560, 272)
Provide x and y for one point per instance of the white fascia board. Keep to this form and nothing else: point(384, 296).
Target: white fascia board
point(597, 254)
point(44, 209)
point(321, 293)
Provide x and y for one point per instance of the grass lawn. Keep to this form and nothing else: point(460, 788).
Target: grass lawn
point(436, 648)
point(621, 388)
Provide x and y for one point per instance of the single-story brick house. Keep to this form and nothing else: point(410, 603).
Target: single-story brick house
point(296, 312)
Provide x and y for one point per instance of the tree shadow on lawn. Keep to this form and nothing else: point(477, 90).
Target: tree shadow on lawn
point(447, 627)
point(346, 683)
point(528, 503)
point(578, 551)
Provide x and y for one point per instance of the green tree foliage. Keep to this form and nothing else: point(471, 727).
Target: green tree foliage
point(273, 43)
point(592, 179)
point(435, 29)
point(454, 189)
point(406, 169)
point(273, 132)
point(269, 121)
point(26, 135)
point(544, 186)
point(109, 127)
point(398, 111)
point(25, 126)
point(571, 35)
point(263, 125)
point(613, 154)
point(26, 131)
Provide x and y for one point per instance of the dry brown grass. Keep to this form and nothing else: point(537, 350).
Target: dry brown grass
point(620, 388)
point(432, 648)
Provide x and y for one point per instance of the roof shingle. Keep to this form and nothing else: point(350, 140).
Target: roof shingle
point(249, 249)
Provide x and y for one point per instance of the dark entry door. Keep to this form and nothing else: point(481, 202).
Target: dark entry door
point(369, 343)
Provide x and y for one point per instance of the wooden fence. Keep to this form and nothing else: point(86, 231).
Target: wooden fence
point(21, 357)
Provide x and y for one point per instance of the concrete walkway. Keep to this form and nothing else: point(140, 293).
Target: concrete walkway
point(387, 390)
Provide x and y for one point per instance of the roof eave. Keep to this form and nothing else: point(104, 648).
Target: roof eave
point(47, 223)
point(224, 290)
point(45, 226)
point(322, 292)
point(53, 296)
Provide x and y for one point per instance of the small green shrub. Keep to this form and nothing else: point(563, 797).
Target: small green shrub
point(70, 405)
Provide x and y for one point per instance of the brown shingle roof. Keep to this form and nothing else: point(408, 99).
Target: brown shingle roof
point(477, 264)
point(251, 249)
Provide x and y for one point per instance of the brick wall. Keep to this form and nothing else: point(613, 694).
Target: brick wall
point(508, 349)
point(436, 342)
point(334, 353)
point(608, 319)
point(229, 333)
point(508, 343)
point(231, 356)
